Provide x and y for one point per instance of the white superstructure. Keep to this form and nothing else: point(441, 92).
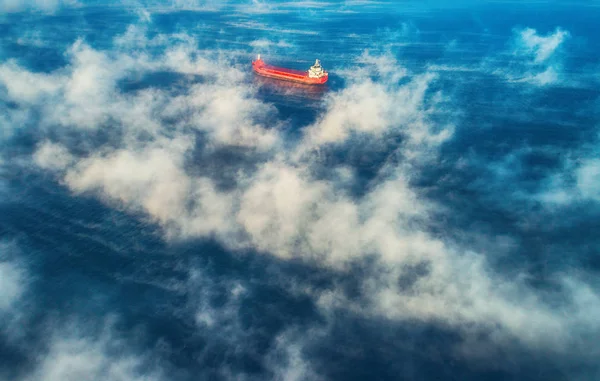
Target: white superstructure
point(316, 71)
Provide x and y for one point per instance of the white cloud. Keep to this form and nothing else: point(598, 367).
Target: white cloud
point(384, 65)
point(198, 5)
point(153, 180)
point(27, 87)
point(218, 322)
point(12, 277)
point(544, 78)
point(363, 107)
point(85, 94)
point(151, 177)
point(542, 47)
point(253, 25)
point(281, 208)
point(11, 283)
point(281, 205)
point(537, 58)
point(588, 179)
point(379, 107)
point(14, 292)
point(277, 208)
point(286, 359)
point(229, 112)
point(144, 15)
point(576, 181)
point(263, 43)
point(75, 353)
point(52, 156)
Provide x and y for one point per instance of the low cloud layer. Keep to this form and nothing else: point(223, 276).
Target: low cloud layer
point(11, 281)
point(575, 182)
point(285, 200)
point(541, 47)
point(75, 355)
point(588, 179)
point(543, 61)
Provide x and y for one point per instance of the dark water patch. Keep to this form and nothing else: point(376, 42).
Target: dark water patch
point(358, 349)
point(14, 361)
point(79, 141)
point(411, 274)
point(102, 24)
point(36, 58)
point(367, 156)
point(538, 238)
point(176, 21)
point(225, 166)
point(175, 83)
point(495, 127)
point(298, 105)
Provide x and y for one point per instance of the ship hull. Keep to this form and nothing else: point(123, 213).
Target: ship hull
point(284, 74)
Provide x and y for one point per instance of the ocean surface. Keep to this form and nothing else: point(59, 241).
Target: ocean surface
point(431, 213)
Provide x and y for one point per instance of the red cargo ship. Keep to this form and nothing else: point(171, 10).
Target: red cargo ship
point(313, 76)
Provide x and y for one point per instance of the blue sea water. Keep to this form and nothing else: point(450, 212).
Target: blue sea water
point(88, 259)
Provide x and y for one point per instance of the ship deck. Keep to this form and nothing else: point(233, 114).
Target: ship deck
point(281, 70)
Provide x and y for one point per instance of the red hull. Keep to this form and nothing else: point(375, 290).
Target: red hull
point(265, 70)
